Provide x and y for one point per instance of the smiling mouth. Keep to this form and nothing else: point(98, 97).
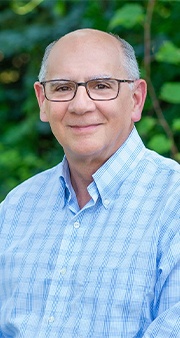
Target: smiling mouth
point(89, 129)
point(85, 127)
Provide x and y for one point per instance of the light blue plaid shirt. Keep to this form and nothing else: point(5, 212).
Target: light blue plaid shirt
point(111, 269)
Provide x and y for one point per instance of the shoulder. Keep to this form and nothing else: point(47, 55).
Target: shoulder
point(162, 166)
point(165, 174)
point(161, 161)
point(161, 176)
point(42, 182)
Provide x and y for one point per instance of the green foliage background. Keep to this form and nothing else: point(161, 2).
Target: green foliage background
point(152, 27)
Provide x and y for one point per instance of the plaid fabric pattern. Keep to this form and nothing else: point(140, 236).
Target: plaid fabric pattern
point(111, 269)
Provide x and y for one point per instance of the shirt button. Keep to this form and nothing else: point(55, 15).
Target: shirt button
point(106, 202)
point(51, 319)
point(62, 271)
point(76, 224)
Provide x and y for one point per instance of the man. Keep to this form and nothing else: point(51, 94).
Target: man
point(90, 248)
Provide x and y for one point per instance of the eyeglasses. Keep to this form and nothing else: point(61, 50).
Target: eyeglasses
point(101, 89)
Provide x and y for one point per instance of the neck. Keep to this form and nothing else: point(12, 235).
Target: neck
point(81, 177)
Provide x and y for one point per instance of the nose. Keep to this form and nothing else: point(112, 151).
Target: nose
point(81, 103)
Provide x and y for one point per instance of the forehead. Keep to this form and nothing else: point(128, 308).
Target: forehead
point(86, 54)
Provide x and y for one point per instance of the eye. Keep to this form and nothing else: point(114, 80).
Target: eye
point(63, 87)
point(100, 85)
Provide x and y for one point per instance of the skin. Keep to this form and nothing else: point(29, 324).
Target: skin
point(89, 131)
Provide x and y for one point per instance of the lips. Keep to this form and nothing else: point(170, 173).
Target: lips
point(84, 128)
point(85, 125)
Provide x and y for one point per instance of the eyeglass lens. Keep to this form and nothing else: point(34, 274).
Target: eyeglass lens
point(97, 89)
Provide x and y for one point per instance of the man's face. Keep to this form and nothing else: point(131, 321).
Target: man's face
point(89, 129)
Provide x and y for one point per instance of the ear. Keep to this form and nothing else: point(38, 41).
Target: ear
point(39, 90)
point(139, 96)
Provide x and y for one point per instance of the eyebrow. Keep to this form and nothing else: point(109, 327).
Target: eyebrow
point(100, 76)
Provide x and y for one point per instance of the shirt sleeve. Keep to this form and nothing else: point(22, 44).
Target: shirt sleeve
point(2, 214)
point(166, 306)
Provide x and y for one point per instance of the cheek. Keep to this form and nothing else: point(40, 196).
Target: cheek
point(120, 116)
point(55, 112)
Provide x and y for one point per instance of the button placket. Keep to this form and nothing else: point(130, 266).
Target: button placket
point(65, 261)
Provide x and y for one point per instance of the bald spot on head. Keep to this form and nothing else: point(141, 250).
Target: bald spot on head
point(90, 33)
point(86, 34)
point(95, 40)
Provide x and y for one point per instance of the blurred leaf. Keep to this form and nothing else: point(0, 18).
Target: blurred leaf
point(145, 125)
point(59, 8)
point(128, 16)
point(23, 8)
point(160, 143)
point(9, 158)
point(19, 132)
point(170, 92)
point(176, 125)
point(177, 157)
point(169, 53)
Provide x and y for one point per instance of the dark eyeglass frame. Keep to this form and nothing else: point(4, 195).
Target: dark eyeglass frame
point(85, 84)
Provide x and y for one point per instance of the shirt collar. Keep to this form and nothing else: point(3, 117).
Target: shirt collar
point(110, 176)
point(64, 177)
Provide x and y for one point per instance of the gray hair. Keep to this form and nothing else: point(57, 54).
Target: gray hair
point(130, 63)
point(44, 64)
